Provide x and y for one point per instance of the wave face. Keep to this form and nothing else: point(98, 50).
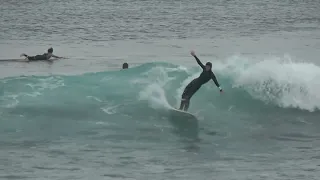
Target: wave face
point(275, 85)
point(268, 89)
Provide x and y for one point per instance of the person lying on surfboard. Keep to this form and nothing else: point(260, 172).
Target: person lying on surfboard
point(45, 56)
point(196, 83)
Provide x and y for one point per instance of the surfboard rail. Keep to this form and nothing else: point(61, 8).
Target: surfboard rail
point(183, 113)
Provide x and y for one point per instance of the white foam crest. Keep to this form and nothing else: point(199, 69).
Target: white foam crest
point(155, 79)
point(277, 80)
point(94, 98)
point(110, 109)
point(10, 100)
point(159, 75)
point(155, 95)
point(47, 83)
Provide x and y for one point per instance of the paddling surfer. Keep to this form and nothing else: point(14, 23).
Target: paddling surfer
point(45, 56)
point(196, 83)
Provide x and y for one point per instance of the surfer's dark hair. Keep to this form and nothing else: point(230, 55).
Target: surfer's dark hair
point(209, 64)
point(50, 50)
point(125, 66)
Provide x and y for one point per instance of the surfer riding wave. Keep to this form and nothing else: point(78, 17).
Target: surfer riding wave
point(196, 83)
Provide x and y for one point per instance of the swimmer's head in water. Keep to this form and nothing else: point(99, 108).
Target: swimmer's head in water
point(50, 50)
point(208, 66)
point(125, 66)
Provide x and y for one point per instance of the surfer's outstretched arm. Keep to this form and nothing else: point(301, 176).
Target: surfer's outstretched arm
point(197, 59)
point(213, 77)
point(56, 56)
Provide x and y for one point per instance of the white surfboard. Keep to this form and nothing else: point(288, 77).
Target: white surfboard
point(185, 124)
point(183, 113)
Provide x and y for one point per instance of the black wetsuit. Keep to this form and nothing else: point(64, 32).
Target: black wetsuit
point(195, 85)
point(42, 57)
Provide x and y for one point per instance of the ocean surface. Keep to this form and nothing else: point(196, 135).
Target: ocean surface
point(85, 118)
